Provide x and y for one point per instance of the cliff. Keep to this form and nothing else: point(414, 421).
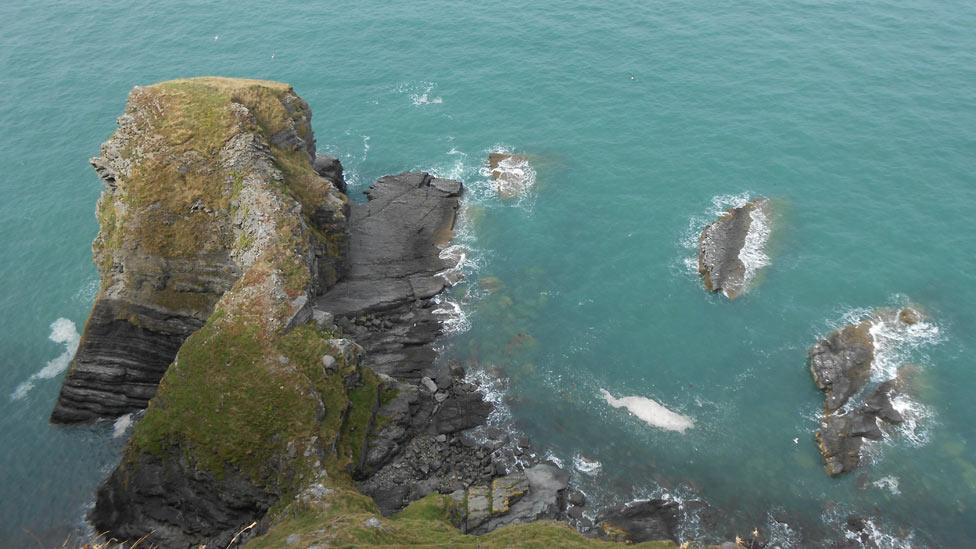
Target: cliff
point(282, 339)
point(201, 182)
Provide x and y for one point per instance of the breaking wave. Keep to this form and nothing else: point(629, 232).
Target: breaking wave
point(63, 331)
point(586, 465)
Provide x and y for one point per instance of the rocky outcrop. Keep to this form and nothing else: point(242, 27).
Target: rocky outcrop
point(841, 363)
point(640, 521)
point(841, 435)
point(720, 246)
point(330, 168)
point(841, 368)
point(213, 222)
point(180, 222)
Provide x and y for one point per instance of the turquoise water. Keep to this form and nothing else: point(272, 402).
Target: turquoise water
point(857, 119)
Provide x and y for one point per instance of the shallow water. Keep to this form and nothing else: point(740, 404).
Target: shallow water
point(856, 119)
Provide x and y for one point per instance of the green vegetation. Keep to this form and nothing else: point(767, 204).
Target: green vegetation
point(341, 521)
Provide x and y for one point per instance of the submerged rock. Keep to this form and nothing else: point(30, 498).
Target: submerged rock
point(721, 261)
point(512, 174)
point(841, 363)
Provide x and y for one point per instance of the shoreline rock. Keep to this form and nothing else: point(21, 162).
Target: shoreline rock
point(720, 246)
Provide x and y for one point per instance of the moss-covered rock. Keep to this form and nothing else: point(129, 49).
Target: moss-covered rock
point(207, 180)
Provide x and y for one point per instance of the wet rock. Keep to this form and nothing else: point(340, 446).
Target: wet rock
point(512, 174)
point(719, 247)
point(576, 497)
point(909, 316)
point(840, 436)
point(534, 494)
point(841, 363)
point(654, 520)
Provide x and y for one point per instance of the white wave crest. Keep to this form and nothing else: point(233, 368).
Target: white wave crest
point(587, 466)
point(753, 253)
point(895, 343)
point(62, 331)
point(420, 93)
point(650, 412)
point(453, 318)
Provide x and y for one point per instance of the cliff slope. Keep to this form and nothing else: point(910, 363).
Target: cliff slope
point(202, 181)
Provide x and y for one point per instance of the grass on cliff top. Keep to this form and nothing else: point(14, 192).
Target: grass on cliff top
point(342, 522)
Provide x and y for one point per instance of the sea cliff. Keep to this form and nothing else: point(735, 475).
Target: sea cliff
point(279, 341)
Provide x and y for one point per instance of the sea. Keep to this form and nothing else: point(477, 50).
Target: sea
point(636, 123)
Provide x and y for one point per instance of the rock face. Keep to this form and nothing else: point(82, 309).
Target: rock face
point(330, 168)
point(179, 224)
point(212, 222)
point(841, 367)
point(841, 363)
point(720, 247)
point(640, 521)
point(841, 435)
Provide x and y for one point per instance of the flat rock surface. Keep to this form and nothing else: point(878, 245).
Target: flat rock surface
point(394, 244)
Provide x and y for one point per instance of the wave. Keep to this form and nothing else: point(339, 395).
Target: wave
point(586, 465)
point(650, 412)
point(753, 253)
point(420, 93)
point(121, 425)
point(65, 332)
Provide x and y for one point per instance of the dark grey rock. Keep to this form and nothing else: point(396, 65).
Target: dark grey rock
point(841, 363)
point(719, 246)
point(654, 520)
point(840, 436)
point(179, 505)
point(330, 168)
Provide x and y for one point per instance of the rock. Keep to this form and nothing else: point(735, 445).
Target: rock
point(576, 497)
point(330, 168)
point(841, 363)
point(464, 411)
point(153, 496)
point(537, 493)
point(719, 260)
point(575, 512)
point(429, 384)
point(293, 539)
point(654, 520)
point(840, 436)
point(909, 316)
point(440, 396)
point(512, 174)
point(165, 258)
point(372, 522)
point(329, 363)
point(323, 320)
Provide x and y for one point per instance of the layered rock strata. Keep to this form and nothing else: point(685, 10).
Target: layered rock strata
point(181, 220)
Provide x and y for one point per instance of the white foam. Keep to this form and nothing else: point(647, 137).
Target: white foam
point(453, 318)
point(121, 425)
point(895, 342)
point(753, 254)
point(889, 483)
point(512, 177)
point(650, 412)
point(420, 93)
point(918, 419)
point(62, 331)
point(586, 465)
point(879, 538)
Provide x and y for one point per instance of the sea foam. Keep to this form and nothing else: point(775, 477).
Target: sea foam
point(650, 412)
point(63, 331)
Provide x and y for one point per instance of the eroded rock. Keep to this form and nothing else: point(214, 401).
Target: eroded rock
point(721, 262)
point(841, 363)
